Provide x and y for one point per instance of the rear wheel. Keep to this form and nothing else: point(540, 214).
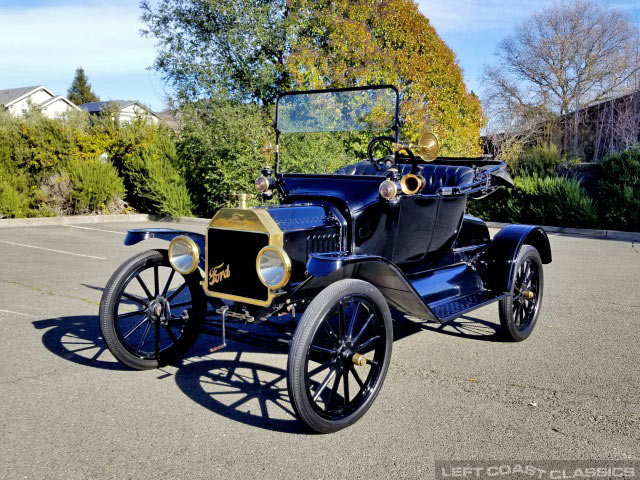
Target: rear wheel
point(339, 355)
point(519, 311)
point(150, 314)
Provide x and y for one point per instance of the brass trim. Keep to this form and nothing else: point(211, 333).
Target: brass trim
point(255, 220)
point(428, 146)
point(195, 252)
point(268, 150)
point(287, 266)
point(410, 177)
point(242, 200)
point(359, 360)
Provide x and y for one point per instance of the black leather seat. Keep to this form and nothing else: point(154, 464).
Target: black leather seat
point(363, 168)
point(436, 176)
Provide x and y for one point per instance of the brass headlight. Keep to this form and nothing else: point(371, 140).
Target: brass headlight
point(273, 266)
point(184, 255)
point(388, 189)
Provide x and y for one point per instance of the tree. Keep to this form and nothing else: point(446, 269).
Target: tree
point(354, 42)
point(561, 59)
point(250, 50)
point(225, 49)
point(80, 90)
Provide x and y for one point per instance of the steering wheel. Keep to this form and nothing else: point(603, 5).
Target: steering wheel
point(386, 138)
point(373, 142)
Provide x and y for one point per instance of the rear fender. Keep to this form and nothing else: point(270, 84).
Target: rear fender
point(139, 234)
point(496, 263)
point(326, 268)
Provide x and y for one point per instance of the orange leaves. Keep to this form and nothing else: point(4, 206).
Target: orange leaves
point(358, 42)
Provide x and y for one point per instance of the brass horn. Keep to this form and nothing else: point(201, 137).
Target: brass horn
point(411, 184)
point(428, 146)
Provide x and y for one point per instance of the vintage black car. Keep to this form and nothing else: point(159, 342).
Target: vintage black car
point(336, 254)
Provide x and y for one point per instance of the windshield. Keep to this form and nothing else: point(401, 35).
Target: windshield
point(373, 108)
point(320, 131)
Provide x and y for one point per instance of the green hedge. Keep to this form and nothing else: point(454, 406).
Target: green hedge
point(145, 156)
point(553, 201)
point(14, 198)
point(94, 184)
point(618, 191)
point(220, 152)
point(66, 166)
point(541, 161)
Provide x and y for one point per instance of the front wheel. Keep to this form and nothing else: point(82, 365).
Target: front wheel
point(150, 314)
point(519, 311)
point(339, 355)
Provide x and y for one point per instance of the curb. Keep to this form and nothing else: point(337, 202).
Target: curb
point(583, 232)
point(95, 219)
point(72, 220)
point(143, 217)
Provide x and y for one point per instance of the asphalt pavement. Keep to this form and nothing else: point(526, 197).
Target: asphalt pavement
point(68, 410)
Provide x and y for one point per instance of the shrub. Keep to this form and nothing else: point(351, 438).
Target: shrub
point(541, 161)
point(553, 201)
point(14, 198)
point(52, 167)
point(618, 190)
point(94, 185)
point(220, 152)
point(144, 155)
point(313, 152)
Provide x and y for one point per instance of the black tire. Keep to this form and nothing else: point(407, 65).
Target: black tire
point(519, 311)
point(163, 313)
point(368, 332)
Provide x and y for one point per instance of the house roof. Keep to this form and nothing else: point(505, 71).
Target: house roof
point(96, 107)
point(58, 98)
point(10, 95)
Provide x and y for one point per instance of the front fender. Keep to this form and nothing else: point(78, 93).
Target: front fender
point(326, 268)
point(497, 262)
point(137, 235)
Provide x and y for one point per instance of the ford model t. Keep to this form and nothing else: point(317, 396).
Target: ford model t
point(337, 253)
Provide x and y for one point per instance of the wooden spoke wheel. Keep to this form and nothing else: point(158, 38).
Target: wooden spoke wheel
point(150, 315)
point(519, 311)
point(339, 355)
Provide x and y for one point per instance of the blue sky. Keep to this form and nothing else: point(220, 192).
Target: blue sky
point(43, 41)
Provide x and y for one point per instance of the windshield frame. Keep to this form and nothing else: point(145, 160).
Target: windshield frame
point(396, 120)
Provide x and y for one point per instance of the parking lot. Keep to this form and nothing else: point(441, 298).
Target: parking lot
point(69, 411)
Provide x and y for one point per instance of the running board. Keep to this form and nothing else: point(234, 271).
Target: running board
point(449, 309)
point(454, 290)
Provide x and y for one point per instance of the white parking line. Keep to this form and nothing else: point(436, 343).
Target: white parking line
point(17, 313)
point(53, 250)
point(96, 229)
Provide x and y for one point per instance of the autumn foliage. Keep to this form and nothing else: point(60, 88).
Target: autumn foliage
point(358, 42)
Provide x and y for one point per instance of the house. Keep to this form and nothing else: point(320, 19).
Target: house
point(589, 133)
point(18, 101)
point(602, 128)
point(127, 110)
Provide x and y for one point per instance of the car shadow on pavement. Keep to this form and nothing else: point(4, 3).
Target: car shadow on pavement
point(244, 391)
point(466, 327)
point(78, 339)
point(247, 392)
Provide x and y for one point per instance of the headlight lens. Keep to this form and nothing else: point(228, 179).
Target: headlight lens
point(273, 266)
point(262, 183)
point(184, 255)
point(388, 189)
